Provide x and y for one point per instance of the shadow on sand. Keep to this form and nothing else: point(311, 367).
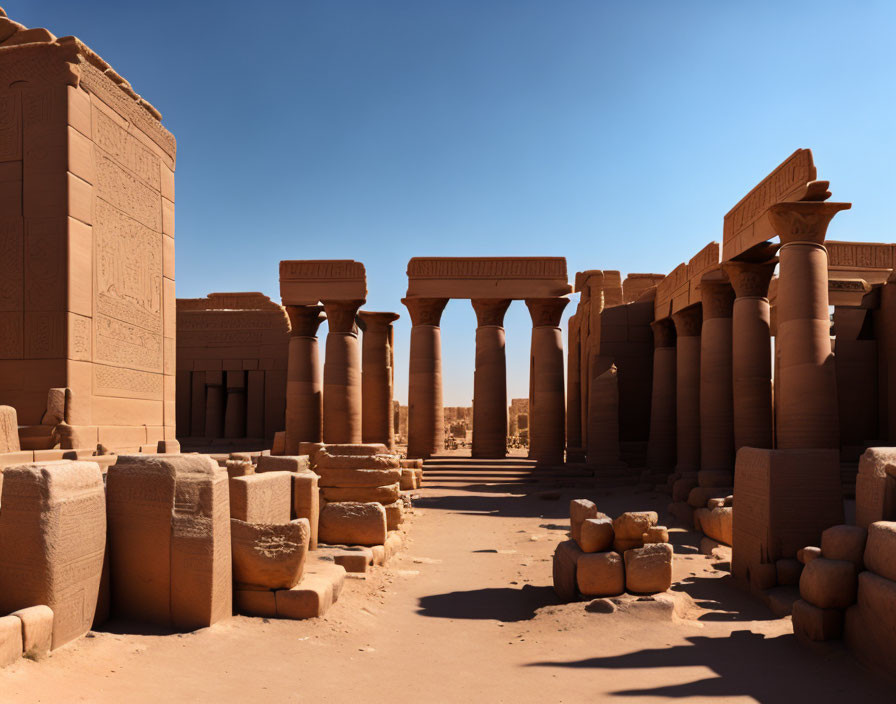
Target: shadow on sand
point(503, 604)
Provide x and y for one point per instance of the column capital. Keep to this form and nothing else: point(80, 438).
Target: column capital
point(490, 311)
point(305, 320)
point(750, 279)
point(804, 220)
point(717, 298)
point(546, 312)
point(425, 311)
point(663, 333)
point(375, 321)
point(688, 321)
point(341, 314)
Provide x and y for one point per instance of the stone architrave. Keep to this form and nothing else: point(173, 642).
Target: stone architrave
point(169, 540)
point(490, 380)
point(688, 323)
point(547, 398)
point(425, 413)
point(751, 362)
point(716, 404)
point(312, 281)
point(52, 542)
point(342, 373)
point(377, 424)
point(87, 230)
point(304, 384)
point(662, 439)
point(487, 277)
point(807, 390)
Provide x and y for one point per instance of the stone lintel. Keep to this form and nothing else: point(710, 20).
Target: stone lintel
point(311, 281)
point(487, 277)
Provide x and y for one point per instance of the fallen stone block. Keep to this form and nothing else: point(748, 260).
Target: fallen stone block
point(169, 540)
point(238, 468)
point(656, 534)
point(10, 640)
point(875, 489)
point(408, 479)
point(600, 574)
point(621, 545)
point(845, 542)
point(631, 525)
point(255, 602)
point(580, 510)
point(880, 549)
point(353, 523)
point(37, 630)
point(829, 584)
point(306, 502)
point(361, 449)
point(52, 542)
point(327, 461)
point(362, 478)
point(699, 496)
point(380, 494)
point(269, 556)
point(870, 626)
point(411, 464)
point(282, 463)
point(807, 554)
point(356, 560)
point(393, 544)
point(648, 570)
point(310, 449)
point(815, 624)
point(566, 556)
point(788, 570)
point(394, 514)
point(419, 475)
point(717, 523)
point(262, 498)
point(596, 534)
point(311, 598)
point(9, 430)
point(379, 554)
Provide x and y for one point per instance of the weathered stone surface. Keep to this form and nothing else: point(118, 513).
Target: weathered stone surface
point(353, 523)
point(394, 514)
point(52, 542)
point(37, 630)
point(649, 569)
point(408, 479)
point(600, 574)
point(815, 624)
point(580, 510)
point(716, 523)
point(633, 524)
point(381, 494)
point(363, 449)
point(262, 498)
point(681, 488)
point(788, 570)
point(357, 560)
point(239, 468)
point(596, 534)
point(875, 489)
point(269, 556)
point(870, 627)
point(9, 429)
point(169, 540)
point(306, 502)
point(326, 460)
point(880, 549)
point(311, 598)
point(10, 640)
point(359, 477)
point(656, 534)
point(566, 556)
point(255, 602)
point(807, 554)
point(845, 542)
point(283, 463)
point(829, 584)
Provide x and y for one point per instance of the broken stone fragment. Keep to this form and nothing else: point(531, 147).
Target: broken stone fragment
point(269, 556)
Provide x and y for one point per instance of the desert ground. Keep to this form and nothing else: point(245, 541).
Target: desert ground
point(466, 612)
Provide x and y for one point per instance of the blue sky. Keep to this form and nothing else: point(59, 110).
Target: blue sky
point(616, 134)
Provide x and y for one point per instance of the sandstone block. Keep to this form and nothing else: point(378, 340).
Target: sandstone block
point(334, 573)
point(656, 534)
point(380, 494)
point(579, 510)
point(408, 479)
point(875, 489)
point(829, 584)
point(394, 514)
point(682, 488)
point(356, 561)
point(419, 475)
point(262, 498)
point(239, 468)
point(699, 496)
point(714, 478)
point(278, 445)
point(353, 523)
point(311, 598)
point(880, 549)
point(311, 449)
point(807, 554)
point(358, 449)
point(282, 463)
point(788, 570)
point(596, 534)
point(649, 569)
point(621, 545)
point(600, 574)
point(9, 430)
point(52, 542)
point(411, 464)
point(845, 542)
point(393, 544)
point(327, 461)
point(870, 627)
point(168, 447)
point(631, 525)
point(37, 630)
point(269, 556)
point(379, 554)
point(566, 556)
point(368, 478)
point(306, 502)
point(717, 523)
point(255, 602)
point(10, 640)
point(715, 503)
point(169, 540)
point(815, 624)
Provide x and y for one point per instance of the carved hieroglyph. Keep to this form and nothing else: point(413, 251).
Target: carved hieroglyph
point(312, 281)
point(487, 277)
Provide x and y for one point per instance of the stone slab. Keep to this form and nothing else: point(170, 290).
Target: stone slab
point(516, 278)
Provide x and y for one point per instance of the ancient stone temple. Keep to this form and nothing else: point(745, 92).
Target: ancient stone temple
point(232, 351)
point(87, 226)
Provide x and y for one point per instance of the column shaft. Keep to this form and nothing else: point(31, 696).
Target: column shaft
point(426, 419)
point(661, 441)
point(304, 385)
point(687, 388)
point(377, 424)
point(490, 380)
point(574, 445)
point(716, 396)
point(342, 374)
point(547, 402)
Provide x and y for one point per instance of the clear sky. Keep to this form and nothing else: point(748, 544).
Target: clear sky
point(616, 134)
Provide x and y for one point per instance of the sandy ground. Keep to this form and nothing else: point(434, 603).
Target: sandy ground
point(466, 613)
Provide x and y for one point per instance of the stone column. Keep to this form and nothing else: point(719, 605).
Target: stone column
point(214, 405)
point(426, 419)
point(490, 380)
point(751, 355)
point(547, 404)
point(304, 386)
point(661, 441)
point(807, 390)
point(342, 374)
point(235, 411)
point(377, 424)
point(574, 443)
point(716, 402)
point(687, 388)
